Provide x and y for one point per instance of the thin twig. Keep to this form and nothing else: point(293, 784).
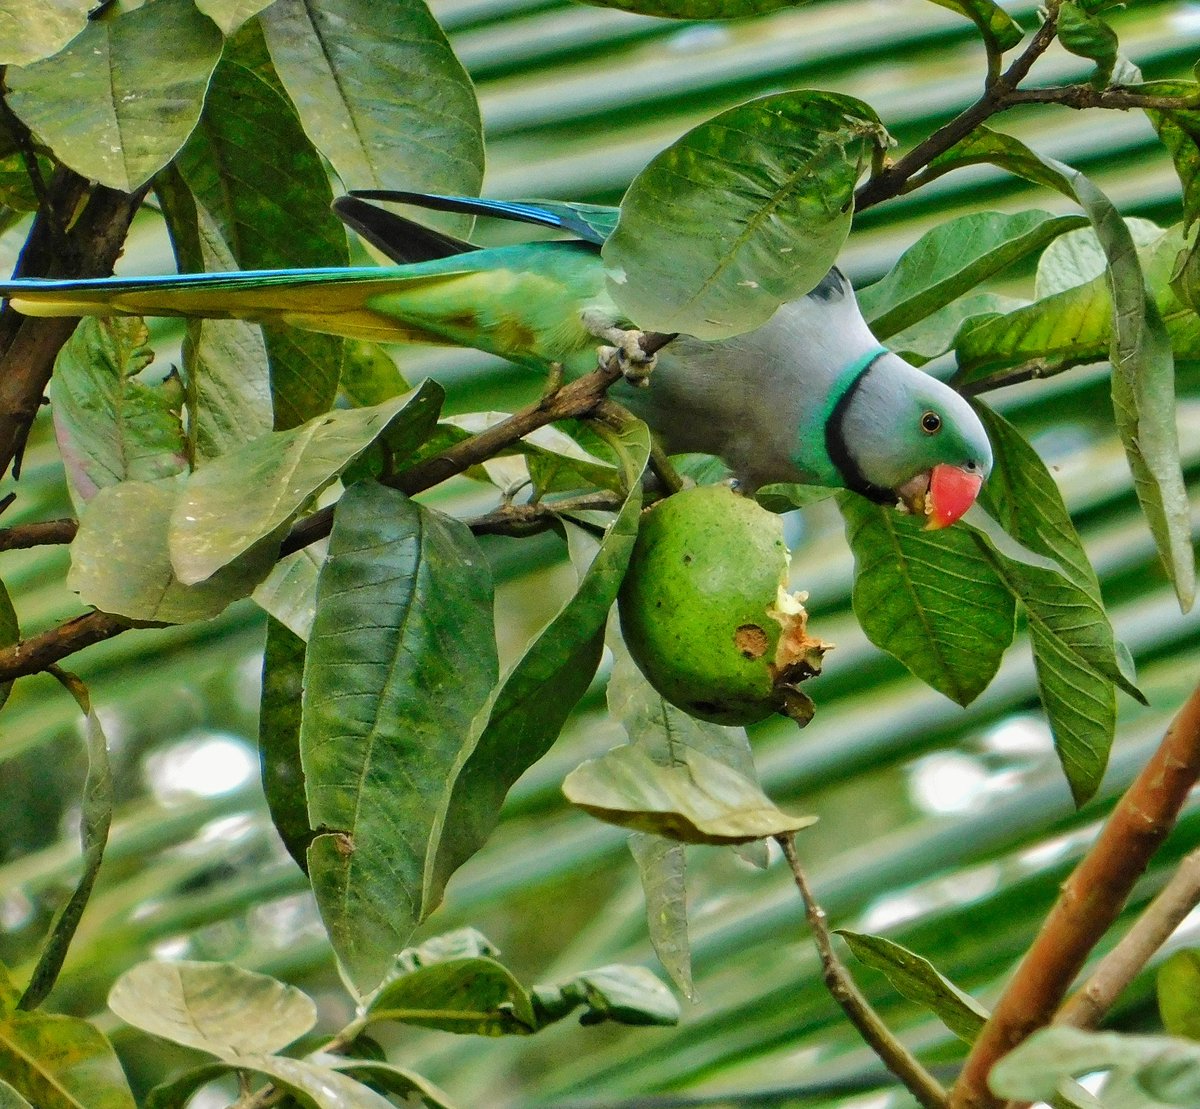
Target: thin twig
point(1123, 963)
point(896, 1057)
point(1090, 901)
point(892, 181)
point(577, 398)
point(40, 652)
point(529, 519)
point(43, 533)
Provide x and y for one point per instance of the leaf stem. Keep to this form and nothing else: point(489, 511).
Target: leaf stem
point(1090, 901)
point(896, 1057)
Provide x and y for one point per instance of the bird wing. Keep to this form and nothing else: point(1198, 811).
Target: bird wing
point(593, 223)
point(524, 303)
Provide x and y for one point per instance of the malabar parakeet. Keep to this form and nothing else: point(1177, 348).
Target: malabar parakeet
point(810, 396)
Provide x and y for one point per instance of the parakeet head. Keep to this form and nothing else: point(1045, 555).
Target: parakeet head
point(899, 434)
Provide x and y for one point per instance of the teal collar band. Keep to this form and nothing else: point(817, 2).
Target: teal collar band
point(812, 454)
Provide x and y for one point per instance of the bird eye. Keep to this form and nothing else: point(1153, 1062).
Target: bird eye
point(931, 423)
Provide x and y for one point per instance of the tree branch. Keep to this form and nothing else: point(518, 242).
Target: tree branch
point(44, 533)
point(29, 345)
point(40, 652)
point(996, 98)
point(1090, 901)
point(896, 1057)
point(1122, 964)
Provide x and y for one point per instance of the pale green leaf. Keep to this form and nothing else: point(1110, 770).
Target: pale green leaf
point(392, 1079)
point(477, 996)
point(214, 1007)
point(744, 212)
point(936, 334)
point(250, 492)
point(699, 800)
point(920, 981)
point(662, 869)
point(10, 1099)
point(121, 99)
point(380, 93)
point(622, 994)
point(229, 15)
point(112, 427)
point(120, 561)
point(952, 259)
point(60, 1062)
point(30, 32)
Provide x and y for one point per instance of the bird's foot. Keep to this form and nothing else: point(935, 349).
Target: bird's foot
point(636, 365)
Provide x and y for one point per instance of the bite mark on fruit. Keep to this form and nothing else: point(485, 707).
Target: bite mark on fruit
point(751, 640)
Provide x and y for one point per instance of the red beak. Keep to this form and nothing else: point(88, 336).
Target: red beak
point(951, 492)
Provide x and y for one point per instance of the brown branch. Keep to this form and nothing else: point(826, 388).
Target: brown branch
point(44, 533)
point(896, 1057)
point(1124, 962)
point(29, 345)
point(1090, 901)
point(578, 398)
point(1085, 96)
point(996, 98)
point(40, 652)
point(529, 519)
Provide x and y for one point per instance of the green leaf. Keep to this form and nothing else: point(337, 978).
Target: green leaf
point(1074, 655)
point(936, 334)
point(996, 148)
point(279, 739)
point(59, 1062)
point(393, 1080)
point(289, 591)
point(1179, 131)
point(1021, 493)
point(744, 212)
point(229, 15)
point(1088, 36)
point(1143, 389)
point(226, 372)
point(380, 93)
point(698, 9)
point(10, 1099)
point(369, 375)
point(1077, 258)
point(1072, 324)
point(1165, 1068)
point(1143, 378)
point(998, 28)
point(953, 258)
point(214, 1007)
point(522, 722)
point(918, 980)
point(111, 427)
point(928, 598)
point(401, 658)
point(248, 493)
point(30, 32)
point(120, 561)
point(700, 800)
point(622, 994)
point(177, 1092)
point(121, 99)
point(476, 996)
point(1178, 985)
point(313, 1084)
point(10, 633)
point(95, 819)
point(250, 166)
point(662, 869)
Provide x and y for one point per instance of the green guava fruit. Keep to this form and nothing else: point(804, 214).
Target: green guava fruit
point(706, 613)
